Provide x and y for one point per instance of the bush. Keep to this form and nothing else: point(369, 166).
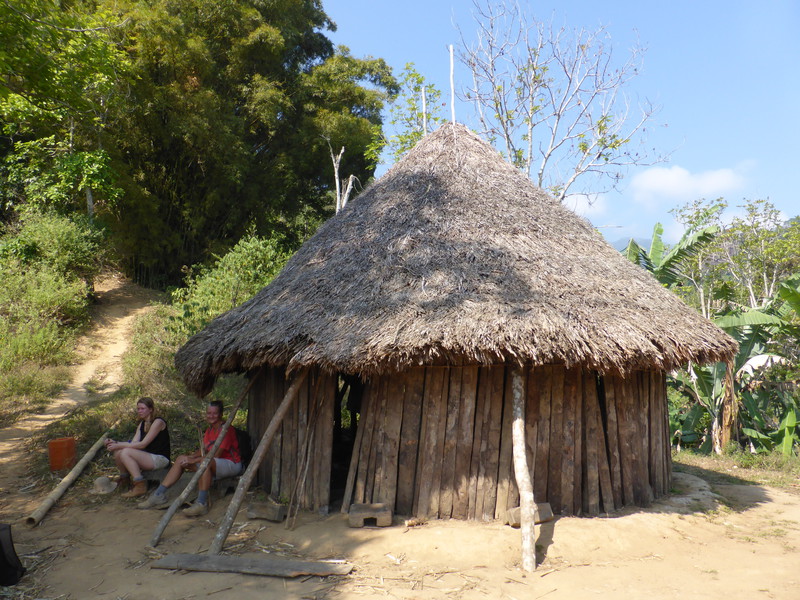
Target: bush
point(233, 279)
point(71, 246)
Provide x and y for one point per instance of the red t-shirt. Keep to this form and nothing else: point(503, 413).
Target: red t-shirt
point(230, 445)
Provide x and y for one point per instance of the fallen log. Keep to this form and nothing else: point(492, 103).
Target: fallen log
point(258, 456)
point(271, 566)
point(53, 497)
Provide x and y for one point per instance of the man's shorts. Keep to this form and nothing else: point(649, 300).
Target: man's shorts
point(227, 468)
point(159, 461)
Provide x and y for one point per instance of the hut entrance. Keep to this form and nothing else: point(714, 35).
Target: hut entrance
point(346, 417)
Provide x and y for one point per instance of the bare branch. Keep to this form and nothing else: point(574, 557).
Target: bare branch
point(554, 98)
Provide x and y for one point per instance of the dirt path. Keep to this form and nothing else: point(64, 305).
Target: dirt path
point(737, 542)
point(100, 352)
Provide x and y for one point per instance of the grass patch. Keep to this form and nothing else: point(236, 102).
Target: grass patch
point(29, 388)
point(741, 468)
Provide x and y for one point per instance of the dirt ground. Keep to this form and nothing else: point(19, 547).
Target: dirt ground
point(732, 541)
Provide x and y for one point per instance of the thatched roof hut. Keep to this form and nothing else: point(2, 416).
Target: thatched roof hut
point(455, 259)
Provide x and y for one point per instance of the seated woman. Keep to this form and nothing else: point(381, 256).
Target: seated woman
point(149, 449)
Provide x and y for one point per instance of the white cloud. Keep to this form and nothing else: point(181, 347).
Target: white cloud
point(658, 187)
point(587, 205)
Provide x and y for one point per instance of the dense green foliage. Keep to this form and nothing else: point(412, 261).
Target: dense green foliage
point(181, 123)
point(46, 261)
point(743, 275)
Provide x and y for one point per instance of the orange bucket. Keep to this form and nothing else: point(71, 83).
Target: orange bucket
point(62, 453)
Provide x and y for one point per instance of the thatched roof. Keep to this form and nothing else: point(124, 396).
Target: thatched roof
point(454, 256)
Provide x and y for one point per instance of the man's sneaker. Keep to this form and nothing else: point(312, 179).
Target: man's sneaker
point(154, 501)
point(196, 510)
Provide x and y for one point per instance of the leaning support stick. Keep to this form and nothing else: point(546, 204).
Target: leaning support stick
point(162, 525)
point(53, 497)
point(244, 482)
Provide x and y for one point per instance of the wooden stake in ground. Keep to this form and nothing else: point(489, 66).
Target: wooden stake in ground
point(162, 524)
point(258, 456)
point(37, 515)
point(521, 472)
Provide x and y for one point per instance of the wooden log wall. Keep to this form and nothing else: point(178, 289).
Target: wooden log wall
point(435, 442)
point(298, 465)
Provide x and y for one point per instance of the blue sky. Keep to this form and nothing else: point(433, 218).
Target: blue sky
point(725, 74)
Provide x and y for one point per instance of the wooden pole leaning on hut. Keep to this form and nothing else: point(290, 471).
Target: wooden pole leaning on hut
point(523, 475)
point(53, 497)
point(162, 524)
point(258, 456)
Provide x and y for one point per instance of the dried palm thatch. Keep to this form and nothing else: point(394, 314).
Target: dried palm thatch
point(454, 257)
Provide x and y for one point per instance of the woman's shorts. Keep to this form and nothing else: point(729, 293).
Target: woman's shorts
point(159, 461)
point(227, 468)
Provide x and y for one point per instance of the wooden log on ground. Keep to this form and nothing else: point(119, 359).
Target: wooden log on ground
point(37, 515)
point(271, 566)
point(258, 456)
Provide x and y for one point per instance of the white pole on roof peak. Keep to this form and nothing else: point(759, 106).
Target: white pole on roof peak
point(424, 113)
point(452, 89)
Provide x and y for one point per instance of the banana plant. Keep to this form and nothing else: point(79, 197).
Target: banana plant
point(665, 263)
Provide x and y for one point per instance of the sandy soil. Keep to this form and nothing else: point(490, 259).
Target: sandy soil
point(732, 541)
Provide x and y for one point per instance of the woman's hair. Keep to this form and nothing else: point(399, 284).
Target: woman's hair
point(218, 404)
point(148, 402)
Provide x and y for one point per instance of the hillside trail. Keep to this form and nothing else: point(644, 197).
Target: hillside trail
point(99, 364)
point(734, 541)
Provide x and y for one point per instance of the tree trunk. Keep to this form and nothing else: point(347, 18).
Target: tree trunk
point(527, 502)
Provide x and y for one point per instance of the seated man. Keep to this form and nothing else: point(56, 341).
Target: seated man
point(226, 463)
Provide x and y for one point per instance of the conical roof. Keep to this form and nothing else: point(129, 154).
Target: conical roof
point(455, 257)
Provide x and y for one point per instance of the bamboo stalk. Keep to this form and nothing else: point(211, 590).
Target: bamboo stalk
point(53, 497)
point(258, 456)
point(162, 524)
point(522, 473)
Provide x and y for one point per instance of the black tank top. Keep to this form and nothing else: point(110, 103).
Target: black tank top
point(160, 444)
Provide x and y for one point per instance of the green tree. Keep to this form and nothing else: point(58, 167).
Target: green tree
point(415, 111)
point(227, 123)
point(58, 76)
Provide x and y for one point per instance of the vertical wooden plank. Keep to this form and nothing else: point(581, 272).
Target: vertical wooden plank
point(368, 410)
point(626, 425)
point(541, 472)
point(303, 433)
point(289, 451)
point(323, 453)
point(378, 443)
point(505, 478)
point(429, 462)
point(485, 405)
point(641, 485)
point(394, 418)
point(554, 467)
point(654, 453)
point(567, 506)
point(438, 449)
point(277, 387)
point(484, 383)
point(603, 458)
point(579, 425)
point(668, 446)
point(643, 413)
point(409, 440)
point(447, 491)
point(490, 459)
point(378, 440)
point(622, 495)
point(592, 441)
point(466, 433)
